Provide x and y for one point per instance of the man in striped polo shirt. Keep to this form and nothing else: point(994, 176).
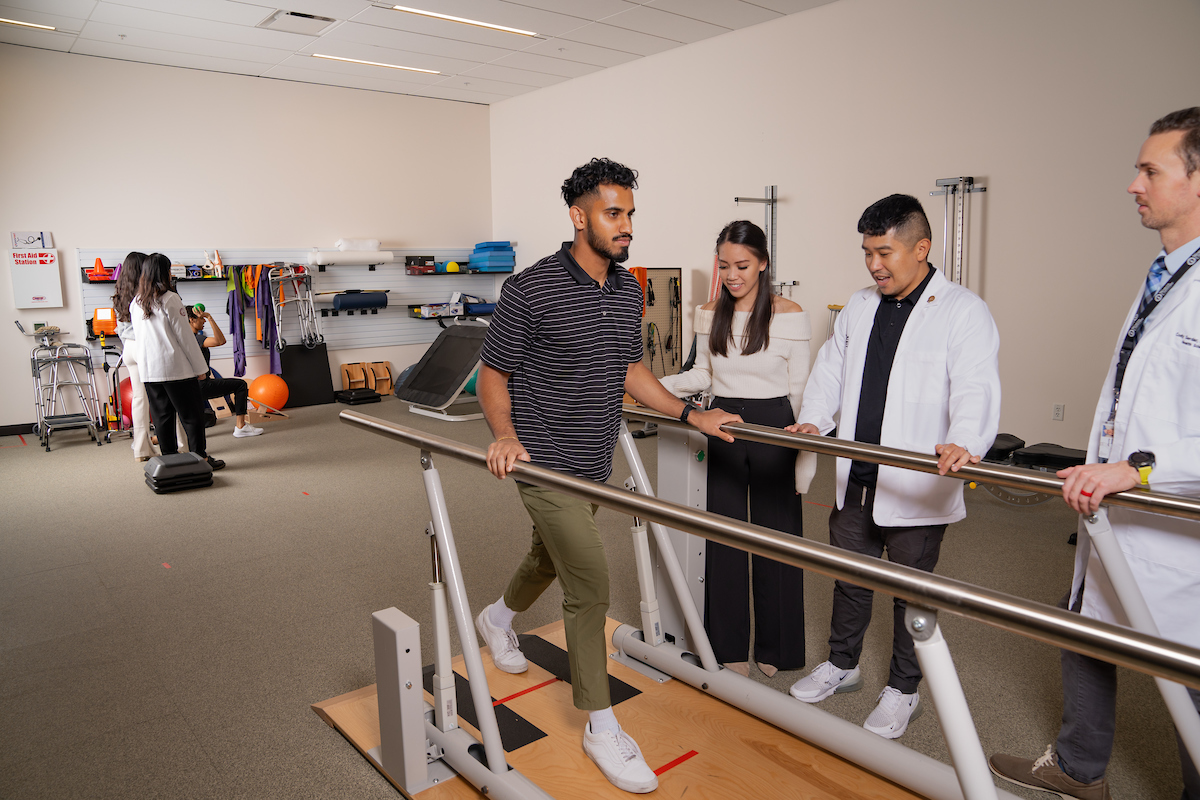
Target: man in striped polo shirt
point(563, 347)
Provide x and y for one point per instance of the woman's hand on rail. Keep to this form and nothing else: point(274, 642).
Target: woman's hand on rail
point(952, 456)
point(710, 422)
point(502, 454)
point(1086, 485)
point(803, 427)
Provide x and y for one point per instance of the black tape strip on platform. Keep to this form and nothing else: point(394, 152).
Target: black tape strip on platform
point(515, 730)
point(553, 659)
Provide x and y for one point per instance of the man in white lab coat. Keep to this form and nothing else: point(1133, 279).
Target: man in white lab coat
point(1146, 432)
point(913, 364)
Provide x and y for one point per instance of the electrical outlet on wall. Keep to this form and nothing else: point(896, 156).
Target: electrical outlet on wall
point(1059, 413)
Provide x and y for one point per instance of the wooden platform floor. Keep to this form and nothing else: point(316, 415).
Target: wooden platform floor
point(701, 747)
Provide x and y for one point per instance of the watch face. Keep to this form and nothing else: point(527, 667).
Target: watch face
point(1141, 459)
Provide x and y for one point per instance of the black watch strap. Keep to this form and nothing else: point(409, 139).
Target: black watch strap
point(687, 409)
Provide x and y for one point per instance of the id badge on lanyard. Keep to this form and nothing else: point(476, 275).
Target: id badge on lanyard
point(1106, 437)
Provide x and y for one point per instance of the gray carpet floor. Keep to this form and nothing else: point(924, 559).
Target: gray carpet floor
point(170, 646)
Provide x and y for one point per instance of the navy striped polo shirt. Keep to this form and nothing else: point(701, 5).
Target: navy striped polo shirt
point(568, 343)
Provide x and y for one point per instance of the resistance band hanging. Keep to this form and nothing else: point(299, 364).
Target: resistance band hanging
point(958, 191)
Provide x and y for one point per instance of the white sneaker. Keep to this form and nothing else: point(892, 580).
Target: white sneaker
point(895, 710)
point(620, 759)
point(825, 680)
point(246, 430)
point(506, 653)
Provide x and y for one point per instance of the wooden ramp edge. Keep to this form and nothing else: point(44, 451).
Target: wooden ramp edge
point(700, 747)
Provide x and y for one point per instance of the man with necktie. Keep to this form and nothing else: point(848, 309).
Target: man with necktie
point(1146, 432)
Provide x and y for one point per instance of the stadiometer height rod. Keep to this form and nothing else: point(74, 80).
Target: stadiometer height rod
point(959, 190)
point(771, 201)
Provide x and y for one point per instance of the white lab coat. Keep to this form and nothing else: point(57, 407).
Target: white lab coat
point(166, 348)
point(944, 387)
point(1160, 412)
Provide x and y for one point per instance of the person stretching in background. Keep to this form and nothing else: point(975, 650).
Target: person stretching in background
point(170, 360)
point(211, 387)
point(752, 343)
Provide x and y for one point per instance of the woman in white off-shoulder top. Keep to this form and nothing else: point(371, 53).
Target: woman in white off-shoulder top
point(752, 354)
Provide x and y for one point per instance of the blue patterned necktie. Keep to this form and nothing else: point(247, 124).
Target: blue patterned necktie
point(1155, 279)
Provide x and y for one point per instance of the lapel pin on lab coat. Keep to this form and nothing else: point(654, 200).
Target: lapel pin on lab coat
point(930, 300)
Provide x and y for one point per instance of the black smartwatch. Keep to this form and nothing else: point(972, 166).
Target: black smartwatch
point(687, 409)
point(1143, 462)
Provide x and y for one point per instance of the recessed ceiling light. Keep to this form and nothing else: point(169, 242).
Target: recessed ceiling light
point(464, 20)
point(377, 64)
point(27, 24)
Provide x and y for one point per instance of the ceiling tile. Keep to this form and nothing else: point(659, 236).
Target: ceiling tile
point(214, 10)
point(32, 37)
point(791, 6)
point(442, 29)
point(336, 9)
point(607, 36)
point(522, 77)
point(174, 42)
point(76, 9)
point(726, 13)
point(141, 19)
point(285, 72)
point(384, 74)
point(444, 92)
point(590, 10)
point(579, 51)
point(551, 66)
point(384, 55)
point(665, 24)
point(479, 84)
point(497, 12)
point(61, 22)
point(170, 58)
point(412, 42)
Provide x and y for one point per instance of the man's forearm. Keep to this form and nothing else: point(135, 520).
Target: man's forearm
point(495, 401)
point(645, 388)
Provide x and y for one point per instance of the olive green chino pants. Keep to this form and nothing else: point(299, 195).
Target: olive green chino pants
point(566, 545)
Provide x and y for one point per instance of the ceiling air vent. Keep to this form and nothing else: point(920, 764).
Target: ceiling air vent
point(295, 22)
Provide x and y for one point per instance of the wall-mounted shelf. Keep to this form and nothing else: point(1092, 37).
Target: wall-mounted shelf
point(391, 326)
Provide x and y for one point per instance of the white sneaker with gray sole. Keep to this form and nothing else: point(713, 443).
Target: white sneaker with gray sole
point(825, 680)
point(506, 653)
point(895, 710)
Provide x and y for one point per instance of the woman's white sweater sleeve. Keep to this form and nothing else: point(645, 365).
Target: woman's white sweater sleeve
point(696, 379)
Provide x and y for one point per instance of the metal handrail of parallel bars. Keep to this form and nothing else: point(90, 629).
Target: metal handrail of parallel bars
point(996, 474)
point(1118, 645)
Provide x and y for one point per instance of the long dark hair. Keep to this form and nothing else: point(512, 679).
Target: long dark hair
point(155, 281)
point(758, 334)
point(127, 284)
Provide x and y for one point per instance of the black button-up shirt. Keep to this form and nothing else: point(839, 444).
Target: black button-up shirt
point(890, 319)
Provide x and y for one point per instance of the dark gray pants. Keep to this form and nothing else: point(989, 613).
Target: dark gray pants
point(852, 528)
point(1085, 741)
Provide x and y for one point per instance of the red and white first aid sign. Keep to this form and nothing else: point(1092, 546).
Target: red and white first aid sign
point(36, 280)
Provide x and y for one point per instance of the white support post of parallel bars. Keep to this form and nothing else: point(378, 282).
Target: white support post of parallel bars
point(445, 696)
point(488, 729)
point(1179, 702)
point(666, 552)
point(946, 692)
point(402, 751)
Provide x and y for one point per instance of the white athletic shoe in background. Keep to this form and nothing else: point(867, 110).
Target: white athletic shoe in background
point(246, 430)
point(895, 710)
point(620, 759)
point(506, 653)
point(825, 680)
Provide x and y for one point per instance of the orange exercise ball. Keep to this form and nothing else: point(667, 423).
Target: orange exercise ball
point(270, 390)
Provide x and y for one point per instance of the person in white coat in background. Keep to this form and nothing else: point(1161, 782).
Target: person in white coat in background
point(912, 364)
point(139, 411)
point(752, 352)
point(1146, 432)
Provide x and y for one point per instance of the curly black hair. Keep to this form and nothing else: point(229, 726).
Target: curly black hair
point(587, 178)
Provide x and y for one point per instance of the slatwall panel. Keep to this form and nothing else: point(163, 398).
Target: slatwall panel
point(391, 326)
point(666, 314)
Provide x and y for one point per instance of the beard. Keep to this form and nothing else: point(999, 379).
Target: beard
point(612, 250)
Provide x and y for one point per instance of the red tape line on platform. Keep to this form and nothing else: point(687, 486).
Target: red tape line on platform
point(676, 762)
point(524, 691)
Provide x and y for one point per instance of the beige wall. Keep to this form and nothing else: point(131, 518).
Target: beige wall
point(1046, 102)
point(107, 153)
